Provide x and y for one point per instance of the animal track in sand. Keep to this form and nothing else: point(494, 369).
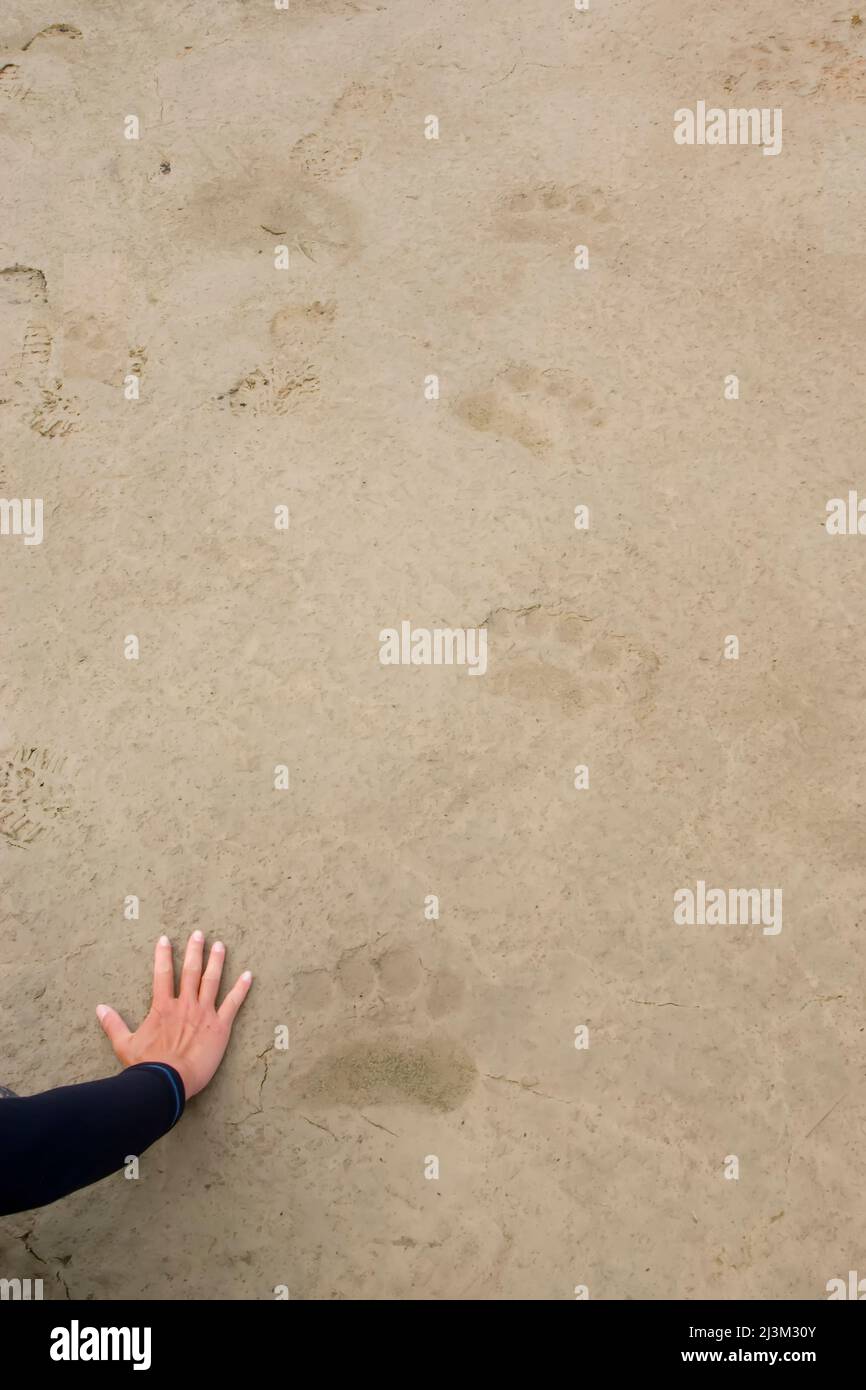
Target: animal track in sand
point(302, 327)
point(388, 985)
point(332, 149)
point(805, 67)
point(551, 212)
point(432, 1073)
point(537, 408)
point(376, 996)
point(258, 198)
point(543, 657)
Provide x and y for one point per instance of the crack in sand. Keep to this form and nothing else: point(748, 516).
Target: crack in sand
point(378, 1126)
point(315, 1125)
point(664, 1004)
point(548, 608)
point(527, 1086)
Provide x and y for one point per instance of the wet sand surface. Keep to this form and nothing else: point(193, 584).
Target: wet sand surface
point(150, 267)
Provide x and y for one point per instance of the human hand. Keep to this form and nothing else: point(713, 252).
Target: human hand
point(186, 1032)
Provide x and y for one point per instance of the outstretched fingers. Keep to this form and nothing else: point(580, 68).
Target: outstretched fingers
point(190, 975)
point(228, 1009)
point(113, 1025)
point(163, 972)
point(210, 980)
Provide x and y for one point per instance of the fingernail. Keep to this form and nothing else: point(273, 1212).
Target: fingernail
point(198, 936)
point(247, 976)
point(164, 941)
point(218, 946)
point(101, 1011)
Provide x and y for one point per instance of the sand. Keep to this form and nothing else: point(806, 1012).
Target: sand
point(149, 266)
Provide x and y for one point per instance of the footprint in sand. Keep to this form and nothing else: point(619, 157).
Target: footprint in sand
point(386, 1011)
point(29, 382)
point(553, 213)
point(546, 658)
point(34, 792)
point(535, 407)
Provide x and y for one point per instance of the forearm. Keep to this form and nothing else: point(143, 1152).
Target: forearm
point(56, 1142)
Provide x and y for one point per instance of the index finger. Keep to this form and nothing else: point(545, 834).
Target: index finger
point(163, 972)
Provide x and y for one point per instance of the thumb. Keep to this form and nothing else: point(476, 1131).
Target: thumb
point(112, 1025)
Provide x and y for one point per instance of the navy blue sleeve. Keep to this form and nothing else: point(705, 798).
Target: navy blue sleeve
point(53, 1143)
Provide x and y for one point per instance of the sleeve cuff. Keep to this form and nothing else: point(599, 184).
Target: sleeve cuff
point(173, 1082)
